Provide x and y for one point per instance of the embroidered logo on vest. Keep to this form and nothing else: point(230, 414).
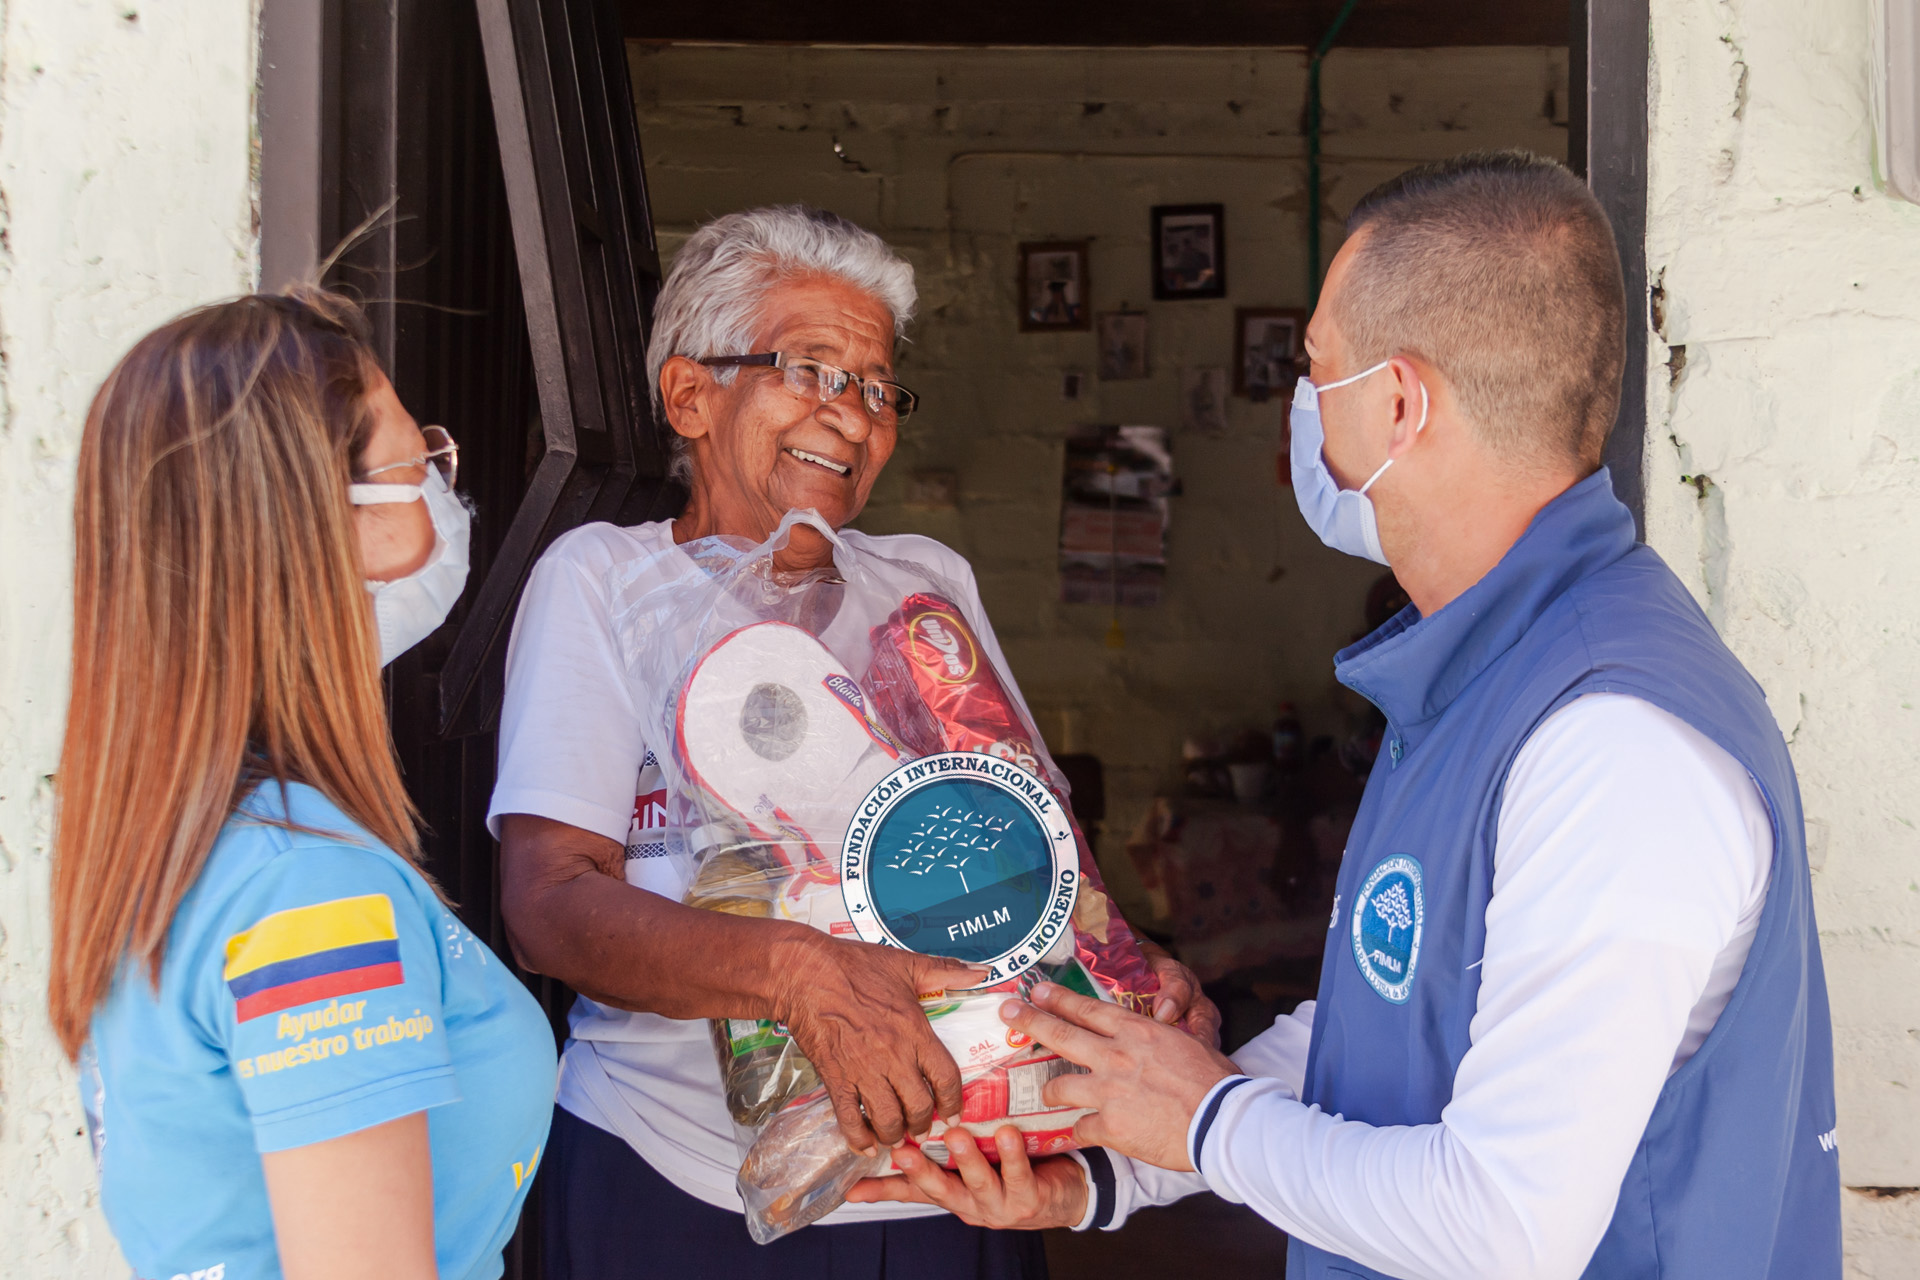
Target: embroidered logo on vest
point(1388, 915)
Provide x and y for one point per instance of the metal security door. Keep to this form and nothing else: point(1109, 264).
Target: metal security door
point(510, 286)
point(589, 272)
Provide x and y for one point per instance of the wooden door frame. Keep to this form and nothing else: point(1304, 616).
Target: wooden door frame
point(326, 66)
point(1607, 145)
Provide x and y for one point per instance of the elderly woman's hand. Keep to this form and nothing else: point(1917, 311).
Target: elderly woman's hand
point(854, 1010)
point(1180, 996)
point(1021, 1195)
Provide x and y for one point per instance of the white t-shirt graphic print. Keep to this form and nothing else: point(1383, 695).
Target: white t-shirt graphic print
point(573, 749)
point(647, 832)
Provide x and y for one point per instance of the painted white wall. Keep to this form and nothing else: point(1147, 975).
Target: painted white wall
point(126, 191)
point(1784, 380)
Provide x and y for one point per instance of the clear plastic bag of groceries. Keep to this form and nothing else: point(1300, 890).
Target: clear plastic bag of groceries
point(786, 699)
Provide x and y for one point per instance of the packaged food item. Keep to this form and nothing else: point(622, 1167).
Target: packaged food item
point(798, 708)
point(935, 688)
point(1011, 1095)
point(800, 1169)
point(1004, 1074)
point(760, 1068)
point(806, 1163)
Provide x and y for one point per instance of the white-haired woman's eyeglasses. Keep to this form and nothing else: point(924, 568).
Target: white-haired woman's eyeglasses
point(815, 379)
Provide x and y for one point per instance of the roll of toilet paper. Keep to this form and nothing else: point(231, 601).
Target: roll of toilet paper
point(771, 726)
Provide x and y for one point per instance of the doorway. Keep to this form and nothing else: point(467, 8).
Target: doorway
point(546, 157)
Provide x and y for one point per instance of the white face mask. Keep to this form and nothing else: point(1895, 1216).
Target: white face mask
point(1343, 518)
point(408, 610)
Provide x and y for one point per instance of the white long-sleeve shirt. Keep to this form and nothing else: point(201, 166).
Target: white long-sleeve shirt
point(1631, 863)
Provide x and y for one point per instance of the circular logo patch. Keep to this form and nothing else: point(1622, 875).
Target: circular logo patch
point(1387, 919)
point(962, 855)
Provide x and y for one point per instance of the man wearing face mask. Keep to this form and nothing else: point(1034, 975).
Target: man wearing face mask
point(1572, 1018)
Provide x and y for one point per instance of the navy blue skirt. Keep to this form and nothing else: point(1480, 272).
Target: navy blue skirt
point(607, 1215)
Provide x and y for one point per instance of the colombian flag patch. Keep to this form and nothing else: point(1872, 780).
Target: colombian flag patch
point(314, 953)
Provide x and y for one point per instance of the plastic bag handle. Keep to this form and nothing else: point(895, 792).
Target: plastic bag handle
point(844, 558)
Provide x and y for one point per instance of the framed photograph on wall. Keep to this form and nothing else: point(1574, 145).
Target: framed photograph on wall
point(1189, 251)
point(1267, 346)
point(1123, 345)
point(1114, 512)
point(1053, 286)
point(1203, 401)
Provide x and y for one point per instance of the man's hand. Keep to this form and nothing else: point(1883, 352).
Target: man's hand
point(1021, 1196)
point(1180, 996)
point(854, 1010)
point(1145, 1079)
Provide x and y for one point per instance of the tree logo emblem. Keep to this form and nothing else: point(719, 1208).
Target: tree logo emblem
point(1388, 915)
point(964, 855)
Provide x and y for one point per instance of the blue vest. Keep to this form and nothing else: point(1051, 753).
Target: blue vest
point(1736, 1175)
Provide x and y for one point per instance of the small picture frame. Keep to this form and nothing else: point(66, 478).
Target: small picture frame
point(1189, 251)
point(1267, 346)
point(1053, 287)
point(1203, 401)
point(1123, 345)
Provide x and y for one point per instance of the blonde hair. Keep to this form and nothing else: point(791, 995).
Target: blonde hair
point(221, 631)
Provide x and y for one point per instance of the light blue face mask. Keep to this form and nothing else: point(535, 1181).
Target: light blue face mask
point(1343, 518)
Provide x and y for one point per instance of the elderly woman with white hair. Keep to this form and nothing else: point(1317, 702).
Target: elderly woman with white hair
point(772, 360)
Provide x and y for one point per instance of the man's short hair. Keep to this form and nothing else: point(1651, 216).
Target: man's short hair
point(1500, 269)
point(713, 297)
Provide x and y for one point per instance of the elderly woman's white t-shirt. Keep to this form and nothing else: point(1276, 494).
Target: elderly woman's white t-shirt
point(572, 748)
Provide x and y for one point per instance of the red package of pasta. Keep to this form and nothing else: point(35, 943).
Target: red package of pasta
point(936, 690)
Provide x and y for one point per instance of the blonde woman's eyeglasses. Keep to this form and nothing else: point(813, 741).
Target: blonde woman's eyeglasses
point(442, 455)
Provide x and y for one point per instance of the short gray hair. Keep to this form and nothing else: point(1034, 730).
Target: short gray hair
point(1500, 268)
point(712, 300)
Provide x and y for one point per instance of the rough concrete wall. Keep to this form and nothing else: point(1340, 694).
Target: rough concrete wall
point(1783, 476)
point(125, 186)
point(956, 157)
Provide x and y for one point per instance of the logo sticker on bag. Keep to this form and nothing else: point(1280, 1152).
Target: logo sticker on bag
point(1388, 916)
point(944, 642)
point(963, 855)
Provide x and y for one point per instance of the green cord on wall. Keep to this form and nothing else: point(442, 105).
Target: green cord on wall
point(1313, 150)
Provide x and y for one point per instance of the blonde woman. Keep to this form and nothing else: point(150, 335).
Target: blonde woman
point(294, 1059)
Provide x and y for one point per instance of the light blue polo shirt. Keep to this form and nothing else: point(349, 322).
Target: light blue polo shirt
point(313, 986)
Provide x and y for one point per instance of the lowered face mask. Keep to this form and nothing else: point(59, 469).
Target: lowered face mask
point(1343, 518)
point(408, 610)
